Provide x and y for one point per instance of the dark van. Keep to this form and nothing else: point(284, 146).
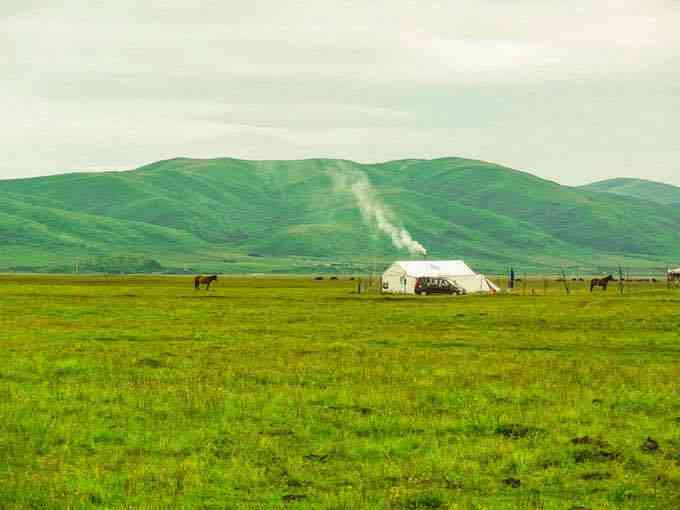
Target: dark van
point(426, 285)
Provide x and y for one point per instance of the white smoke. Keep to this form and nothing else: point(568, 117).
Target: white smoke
point(375, 213)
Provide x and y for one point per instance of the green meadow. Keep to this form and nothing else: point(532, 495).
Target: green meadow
point(273, 393)
point(242, 217)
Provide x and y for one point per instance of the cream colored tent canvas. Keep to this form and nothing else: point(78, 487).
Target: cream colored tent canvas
point(400, 277)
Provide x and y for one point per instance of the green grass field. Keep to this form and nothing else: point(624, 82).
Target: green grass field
point(292, 393)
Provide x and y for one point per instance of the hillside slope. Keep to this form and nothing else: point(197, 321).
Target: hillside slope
point(234, 215)
point(638, 188)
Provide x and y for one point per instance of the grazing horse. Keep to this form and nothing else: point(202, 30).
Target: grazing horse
point(204, 280)
point(601, 282)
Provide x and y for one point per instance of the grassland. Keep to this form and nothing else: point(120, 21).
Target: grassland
point(238, 216)
point(267, 393)
point(639, 188)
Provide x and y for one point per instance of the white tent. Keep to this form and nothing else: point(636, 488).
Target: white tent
point(400, 277)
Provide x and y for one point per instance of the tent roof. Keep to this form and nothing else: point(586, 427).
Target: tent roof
point(435, 268)
point(675, 270)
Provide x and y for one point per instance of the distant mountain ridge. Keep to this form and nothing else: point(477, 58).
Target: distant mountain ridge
point(638, 188)
point(233, 215)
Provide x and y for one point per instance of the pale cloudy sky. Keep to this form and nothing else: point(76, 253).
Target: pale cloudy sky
point(573, 91)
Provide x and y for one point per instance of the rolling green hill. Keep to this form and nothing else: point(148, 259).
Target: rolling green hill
point(232, 215)
point(639, 188)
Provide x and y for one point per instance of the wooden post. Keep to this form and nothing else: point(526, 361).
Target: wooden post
point(566, 285)
point(621, 282)
point(545, 286)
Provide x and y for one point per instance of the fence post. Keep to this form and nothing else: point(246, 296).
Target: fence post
point(566, 285)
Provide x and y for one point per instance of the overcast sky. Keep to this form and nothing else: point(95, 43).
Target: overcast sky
point(573, 91)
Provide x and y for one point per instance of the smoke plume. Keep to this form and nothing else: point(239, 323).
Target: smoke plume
point(375, 213)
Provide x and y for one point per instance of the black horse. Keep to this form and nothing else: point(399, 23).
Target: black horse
point(204, 280)
point(601, 282)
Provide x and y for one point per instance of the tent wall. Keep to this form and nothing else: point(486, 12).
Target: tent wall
point(394, 284)
point(398, 284)
point(475, 283)
point(394, 279)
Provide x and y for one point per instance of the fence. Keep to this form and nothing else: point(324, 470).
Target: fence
point(596, 278)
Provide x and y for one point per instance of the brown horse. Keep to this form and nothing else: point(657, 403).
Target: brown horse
point(601, 282)
point(204, 280)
